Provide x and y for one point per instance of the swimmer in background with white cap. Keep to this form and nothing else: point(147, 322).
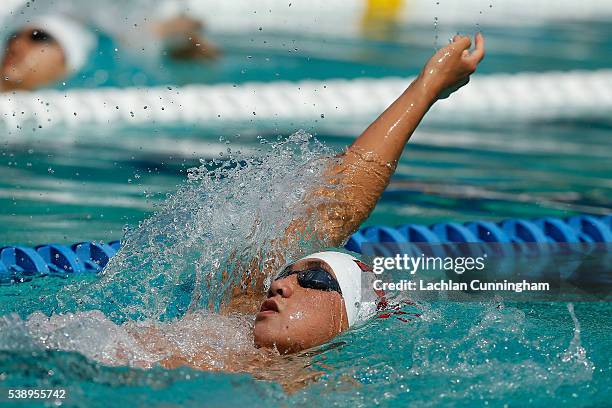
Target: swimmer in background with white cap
point(44, 51)
point(50, 41)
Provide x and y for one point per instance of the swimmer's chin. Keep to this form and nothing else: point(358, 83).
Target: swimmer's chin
point(266, 334)
point(280, 348)
point(262, 338)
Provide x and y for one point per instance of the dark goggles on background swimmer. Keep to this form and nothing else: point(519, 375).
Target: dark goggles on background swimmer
point(35, 35)
point(313, 278)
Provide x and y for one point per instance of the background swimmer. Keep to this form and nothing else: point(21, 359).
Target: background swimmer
point(43, 51)
point(313, 299)
point(45, 43)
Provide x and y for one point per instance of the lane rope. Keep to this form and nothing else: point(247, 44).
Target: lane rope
point(21, 263)
point(287, 106)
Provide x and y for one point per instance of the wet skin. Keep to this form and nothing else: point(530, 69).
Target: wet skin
point(294, 318)
point(29, 64)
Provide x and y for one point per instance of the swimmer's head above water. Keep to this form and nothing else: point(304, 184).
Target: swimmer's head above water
point(312, 300)
point(44, 51)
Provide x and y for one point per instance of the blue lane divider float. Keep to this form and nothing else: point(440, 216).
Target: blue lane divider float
point(94, 255)
point(59, 259)
point(21, 263)
point(581, 228)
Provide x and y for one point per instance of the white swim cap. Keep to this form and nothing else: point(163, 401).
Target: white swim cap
point(350, 273)
point(75, 39)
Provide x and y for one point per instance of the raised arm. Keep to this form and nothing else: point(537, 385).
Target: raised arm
point(448, 70)
point(364, 170)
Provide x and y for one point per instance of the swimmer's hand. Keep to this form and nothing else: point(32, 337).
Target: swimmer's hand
point(450, 68)
point(186, 41)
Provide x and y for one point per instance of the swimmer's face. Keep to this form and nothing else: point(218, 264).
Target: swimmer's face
point(32, 58)
point(294, 318)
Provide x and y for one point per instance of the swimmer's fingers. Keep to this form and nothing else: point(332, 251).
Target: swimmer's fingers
point(479, 50)
point(462, 42)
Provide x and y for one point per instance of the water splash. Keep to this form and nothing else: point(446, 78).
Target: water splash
point(575, 352)
point(90, 334)
point(210, 234)
point(202, 340)
point(436, 30)
point(468, 353)
point(491, 353)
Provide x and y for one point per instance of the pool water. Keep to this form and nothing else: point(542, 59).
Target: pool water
point(57, 187)
point(57, 192)
point(456, 353)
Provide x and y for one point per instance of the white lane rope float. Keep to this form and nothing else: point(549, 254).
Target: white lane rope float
point(287, 106)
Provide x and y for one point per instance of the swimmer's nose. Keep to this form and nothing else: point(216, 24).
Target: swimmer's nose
point(281, 287)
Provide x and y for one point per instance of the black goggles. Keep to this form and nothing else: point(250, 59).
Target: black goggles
point(313, 278)
point(35, 35)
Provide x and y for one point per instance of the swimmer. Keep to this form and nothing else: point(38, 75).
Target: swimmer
point(319, 296)
point(52, 41)
point(44, 51)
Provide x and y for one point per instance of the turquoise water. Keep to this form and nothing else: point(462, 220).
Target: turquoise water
point(456, 353)
point(56, 189)
point(92, 190)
